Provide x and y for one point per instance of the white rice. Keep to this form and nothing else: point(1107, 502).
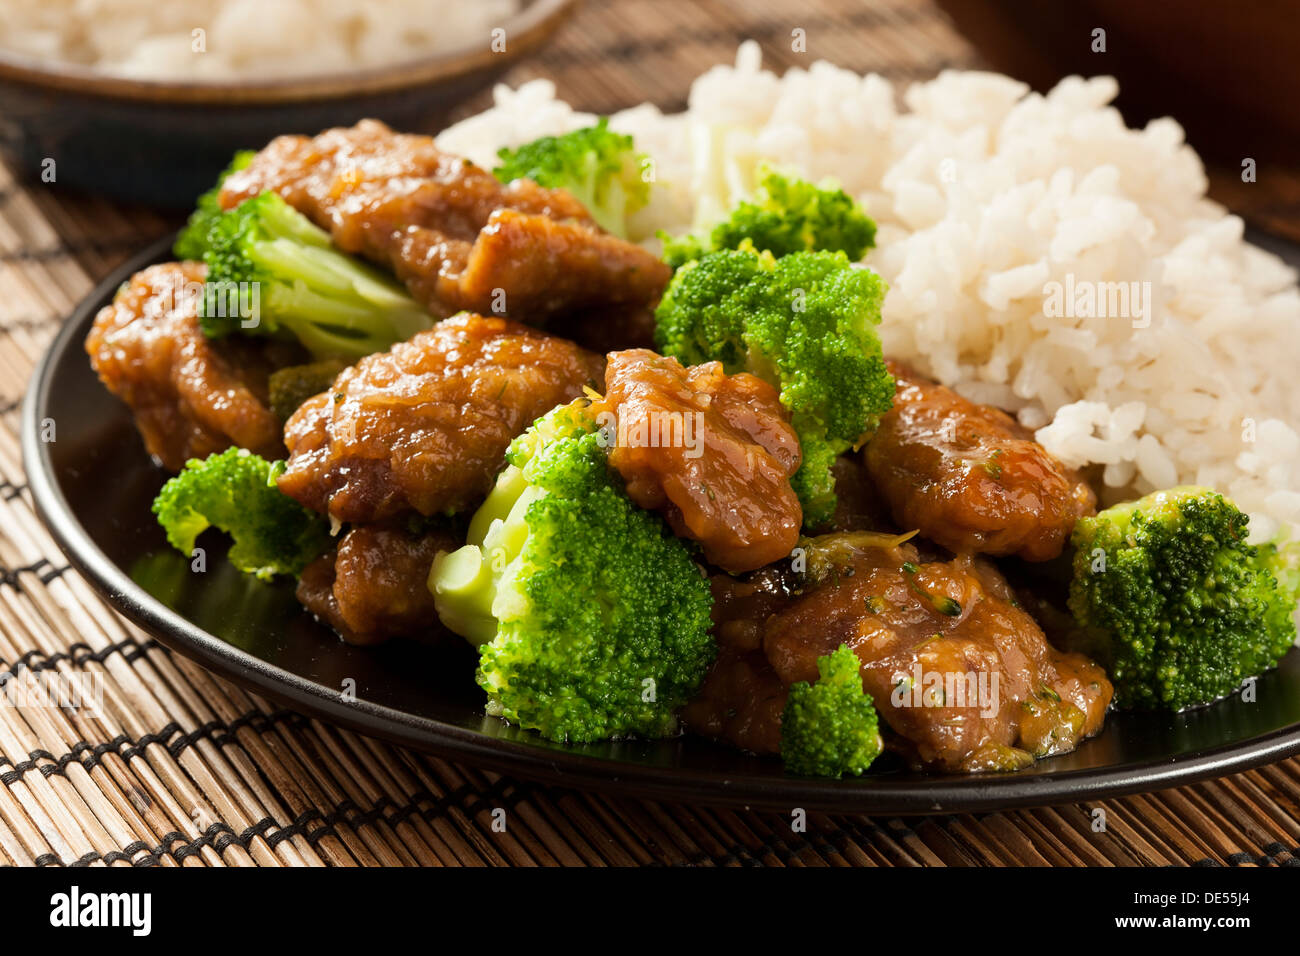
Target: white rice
point(228, 39)
point(986, 194)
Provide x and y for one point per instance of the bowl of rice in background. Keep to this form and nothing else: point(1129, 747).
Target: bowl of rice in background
point(147, 101)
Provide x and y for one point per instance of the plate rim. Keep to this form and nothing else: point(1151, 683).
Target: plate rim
point(911, 794)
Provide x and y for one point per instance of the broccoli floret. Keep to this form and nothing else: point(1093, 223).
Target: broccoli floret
point(787, 215)
point(591, 618)
point(236, 492)
point(804, 323)
point(193, 239)
point(271, 271)
point(601, 168)
point(1174, 602)
point(830, 728)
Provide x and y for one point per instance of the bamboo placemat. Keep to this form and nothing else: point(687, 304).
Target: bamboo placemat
point(184, 769)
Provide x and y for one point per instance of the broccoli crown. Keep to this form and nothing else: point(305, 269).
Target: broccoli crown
point(830, 728)
point(786, 215)
point(804, 323)
point(271, 271)
point(1175, 602)
point(193, 239)
point(591, 618)
point(601, 168)
point(236, 492)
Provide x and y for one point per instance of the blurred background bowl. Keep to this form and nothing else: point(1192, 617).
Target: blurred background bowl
point(162, 142)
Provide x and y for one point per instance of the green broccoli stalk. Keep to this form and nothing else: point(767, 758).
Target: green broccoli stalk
point(1173, 601)
point(805, 324)
point(601, 168)
point(787, 215)
point(193, 239)
point(271, 271)
point(236, 492)
point(591, 618)
point(830, 728)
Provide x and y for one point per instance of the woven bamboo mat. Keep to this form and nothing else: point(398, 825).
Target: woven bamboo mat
point(184, 769)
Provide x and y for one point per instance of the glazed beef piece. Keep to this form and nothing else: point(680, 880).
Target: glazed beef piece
point(859, 506)
point(425, 426)
point(970, 477)
point(712, 452)
point(741, 698)
point(963, 677)
point(191, 395)
point(740, 701)
point(1003, 696)
point(449, 229)
point(372, 586)
point(742, 605)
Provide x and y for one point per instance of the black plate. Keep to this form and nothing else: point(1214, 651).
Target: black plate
point(93, 486)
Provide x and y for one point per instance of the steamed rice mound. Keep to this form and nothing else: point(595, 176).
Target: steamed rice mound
point(986, 195)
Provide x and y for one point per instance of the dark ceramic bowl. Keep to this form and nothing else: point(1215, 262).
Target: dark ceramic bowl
point(164, 142)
